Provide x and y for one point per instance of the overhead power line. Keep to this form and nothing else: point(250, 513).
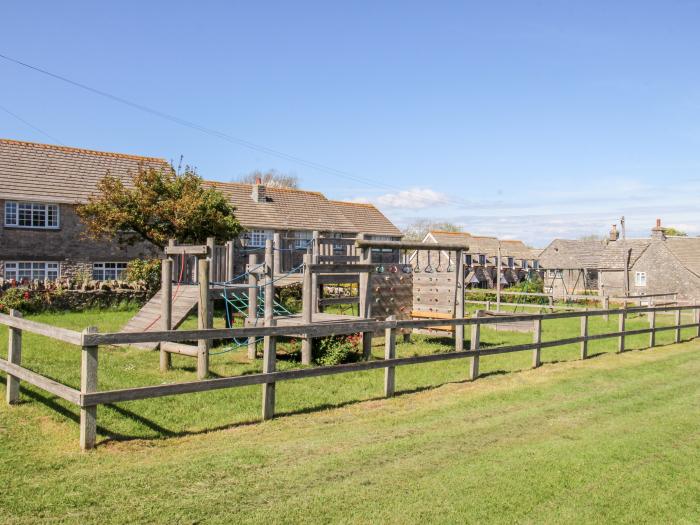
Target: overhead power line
point(219, 134)
point(27, 123)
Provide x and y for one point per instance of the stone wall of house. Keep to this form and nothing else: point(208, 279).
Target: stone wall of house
point(66, 245)
point(664, 274)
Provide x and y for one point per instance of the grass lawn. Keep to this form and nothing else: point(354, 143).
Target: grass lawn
point(614, 438)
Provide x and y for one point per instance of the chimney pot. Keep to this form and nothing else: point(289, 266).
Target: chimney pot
point(258, 180)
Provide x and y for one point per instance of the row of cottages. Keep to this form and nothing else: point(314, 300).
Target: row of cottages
point(519, 262)
point(617, 267)
point(42, 237)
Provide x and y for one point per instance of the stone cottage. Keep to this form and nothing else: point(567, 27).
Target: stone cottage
point(41, 237)
point(616, 267)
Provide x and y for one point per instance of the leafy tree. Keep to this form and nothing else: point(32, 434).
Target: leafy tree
point(157, 206)
point(420, 228)
point(272, 178)
point(673, 232)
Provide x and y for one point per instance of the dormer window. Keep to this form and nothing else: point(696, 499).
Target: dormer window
point(31, 215)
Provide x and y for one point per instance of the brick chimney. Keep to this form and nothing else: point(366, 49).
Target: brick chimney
point(657, 232)
point(258, 193)
point(614, 234)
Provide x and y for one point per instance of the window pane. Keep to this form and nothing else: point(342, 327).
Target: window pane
point(52, 214)
point(25, 215)
point(11, 213)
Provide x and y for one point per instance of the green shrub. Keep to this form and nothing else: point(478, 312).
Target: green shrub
point(146, 271)
point(20, 299)
point(337, 349)
point(290, 297)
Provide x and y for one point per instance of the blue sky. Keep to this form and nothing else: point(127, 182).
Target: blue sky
point(527, 120)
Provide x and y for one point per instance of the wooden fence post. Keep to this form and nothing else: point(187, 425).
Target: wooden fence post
point(252, 300)
point(474, 344)
point(203, 319)
point(678, 326)
point(307, 309)
point(166, 308)
point(621, 328)
point(697, 320)
point(537, 339)
point(14, 356)
point(652, 327)
point(88, 384)
point(389, 353)
point(606, 306)
point(269, 365)
point(269, 342)
point(584, 334)
point(459, 300)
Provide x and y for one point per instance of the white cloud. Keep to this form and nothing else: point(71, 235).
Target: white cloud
point(414, 198)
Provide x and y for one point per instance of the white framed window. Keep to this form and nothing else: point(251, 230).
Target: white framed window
point(31, 270)
point(108, 271)
point(257, 238)
point(536, 264)
point(31, 215)
point(302, 239)
point(511, 262)
point(468, 260)
point(640, 278)
point(524, 263)
point(482, 260)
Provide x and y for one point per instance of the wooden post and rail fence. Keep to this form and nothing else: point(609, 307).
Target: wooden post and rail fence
point(88, 397)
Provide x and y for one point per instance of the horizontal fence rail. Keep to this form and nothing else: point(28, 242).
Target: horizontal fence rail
point(88, 397)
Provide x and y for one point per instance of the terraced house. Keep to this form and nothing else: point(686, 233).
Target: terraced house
point(42, 237)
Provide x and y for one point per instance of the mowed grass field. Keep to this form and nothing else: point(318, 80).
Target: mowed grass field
point(615, 438)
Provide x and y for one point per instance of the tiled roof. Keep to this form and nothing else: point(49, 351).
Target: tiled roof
point(367, 219)
point(563, 254)
point(31, 171)
point(284, 209)
point(687, 251)
point(487, 245)
point(614, 255)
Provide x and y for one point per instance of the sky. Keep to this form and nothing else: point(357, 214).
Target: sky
point(525, 119)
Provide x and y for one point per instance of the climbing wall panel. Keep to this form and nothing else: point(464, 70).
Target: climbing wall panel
point(434, 292)
point(392, 291)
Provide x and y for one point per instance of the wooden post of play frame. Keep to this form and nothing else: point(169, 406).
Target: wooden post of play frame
point(315, 258)
point(214, 269)
point(166, 308)
point(389, 353)
point(14, 356)
point(88, 384)
point(306, 309)
point(365, 289)
point(537, 339)
point(459, 300)
point(584, 334)
point(203, 318)
point(621, 328)
point(230, 260)
point(474, 345)
point(677, 339)
point(277, 242)
point(270, 342)
point(252, 301)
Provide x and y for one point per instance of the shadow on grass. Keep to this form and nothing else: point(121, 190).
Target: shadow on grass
point(165, 433)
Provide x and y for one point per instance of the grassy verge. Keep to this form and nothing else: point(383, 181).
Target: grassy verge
point(611, 439)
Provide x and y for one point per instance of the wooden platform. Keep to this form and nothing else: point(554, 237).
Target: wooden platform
point(297, 319)
point(148, 318)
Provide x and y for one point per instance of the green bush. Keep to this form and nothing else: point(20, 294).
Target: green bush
point(146, 271)
point(21, 299)
point(337, 349)
point(291, 296)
